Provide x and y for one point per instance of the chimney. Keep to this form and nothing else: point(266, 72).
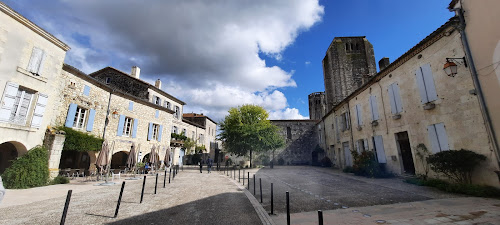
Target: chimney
point(383, 63)
point(158, 84)
point(136, 72)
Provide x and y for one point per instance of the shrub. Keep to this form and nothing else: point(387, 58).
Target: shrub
point(468, 189)
point(366, 165)
point(456, 164)
point(326, 162)
point(348, 169)
point(29, 170)
point(422, 153)
point(281, 161)
point(80, 141)
point(59, 180)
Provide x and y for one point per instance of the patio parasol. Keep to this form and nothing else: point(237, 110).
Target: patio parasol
point(103, 161)
point(153, 157)
point(132, 157)
point(166, 160)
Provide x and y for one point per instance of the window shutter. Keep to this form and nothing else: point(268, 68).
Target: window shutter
point(390, 89)
point(40, 67)
point(90, 121)
point(159, 133)
point(41, 103)
point(150, 132)
point(365, 143)
point(121, 122)
point(379, 148)
point(337, 128)
point(70, 119)
point(9, 97)
point(421, 85)
point(157, 114)
point(374, 107)
point(357, 146)
point(397, 97)
point(131, 106)
point(429, 83)
point(442, 137)
point(86, 90)
point(348, 120)
point(433, 138)
point(35, 60)
point(134, 131)
point(359, 117)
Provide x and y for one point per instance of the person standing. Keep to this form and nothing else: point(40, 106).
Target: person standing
point(209, 164)
point(201, 166)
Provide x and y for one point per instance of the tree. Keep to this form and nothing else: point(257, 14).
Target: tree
point(247, 129)
point(188, 145)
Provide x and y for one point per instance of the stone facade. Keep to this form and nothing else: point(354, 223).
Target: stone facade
point(317, 105)
point(301, 140)
point(348, 64)
point(392, 123)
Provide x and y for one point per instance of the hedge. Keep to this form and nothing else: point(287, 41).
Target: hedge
point(29, 170)
point(80, 141)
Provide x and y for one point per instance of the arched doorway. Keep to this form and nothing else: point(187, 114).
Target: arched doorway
point(119, 160)
point(74, 160)
point(10, 151)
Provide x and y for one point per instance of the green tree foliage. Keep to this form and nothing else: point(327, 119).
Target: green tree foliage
point(188, 145)
point(29, 170)
point(456, 164)
point(247, 129)
point(80, 141)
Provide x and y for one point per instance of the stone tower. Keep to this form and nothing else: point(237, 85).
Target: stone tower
point(317, 105)
point(349, 62)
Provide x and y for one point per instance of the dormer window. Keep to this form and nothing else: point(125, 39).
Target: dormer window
point(108, 80)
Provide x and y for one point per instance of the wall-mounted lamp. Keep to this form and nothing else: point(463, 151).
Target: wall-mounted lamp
point(115, 114)
point(450, 68)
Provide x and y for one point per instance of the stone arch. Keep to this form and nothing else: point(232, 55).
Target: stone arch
point(75, 160)
point(119, 159)
point(10, 151)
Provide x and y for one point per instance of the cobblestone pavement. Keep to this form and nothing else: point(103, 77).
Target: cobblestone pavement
point(191, 198)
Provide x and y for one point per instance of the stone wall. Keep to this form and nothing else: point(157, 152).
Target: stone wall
point(301, 139)
point(317, 105)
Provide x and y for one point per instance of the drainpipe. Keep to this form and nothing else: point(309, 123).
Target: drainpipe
point(107, 115)
point(477, 85)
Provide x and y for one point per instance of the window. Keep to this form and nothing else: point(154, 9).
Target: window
point(127, 126)
point(345, 121)
point(183, 131)
point(438, 137)
point(425, 83)
point(177, 112)
point(36, 61)
point(359, 117)
point(288, 133)
point(337, 130)
point(156, 131)
point(361, 145)
point(192, 136)
point(168, 105)
point(379, 149)
point(108, 80)
point(156, 100)
point(21, 106)
point(395, 98)
point(174, 129)
point(374, 107)
point(202, 140)
point(80, 116)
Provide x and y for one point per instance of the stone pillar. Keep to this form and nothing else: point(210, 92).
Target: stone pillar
point(54, 142)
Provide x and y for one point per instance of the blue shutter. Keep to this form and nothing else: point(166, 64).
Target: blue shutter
point(70, 119)
point(159, 134)
point(157, 113)
point(397, 97)
point(442, 137)
point(429, 83)
point(150, 132)
point(433, 139)
point(121, 122)
point(134, 131)
point(86, 90)
point(421, 85)
point(390, 89)
point(90, 122)
point(379, 148)
point(359, 117)
point(131, 106)
point(374, 107)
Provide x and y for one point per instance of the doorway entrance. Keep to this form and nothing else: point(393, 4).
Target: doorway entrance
point(406, 155)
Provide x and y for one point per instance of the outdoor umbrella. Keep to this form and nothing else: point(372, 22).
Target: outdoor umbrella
point(132, 157)
point(166, 160)
point(103, 157)
point(152, 157)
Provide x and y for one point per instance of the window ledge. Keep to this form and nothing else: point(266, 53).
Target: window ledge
point(17, 127)
point(27, 73)
point(429, 106)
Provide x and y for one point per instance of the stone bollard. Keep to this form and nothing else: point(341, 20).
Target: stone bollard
point(2, 190)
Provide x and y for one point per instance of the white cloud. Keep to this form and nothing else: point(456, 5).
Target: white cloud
point(286, 114)
point(206, 52)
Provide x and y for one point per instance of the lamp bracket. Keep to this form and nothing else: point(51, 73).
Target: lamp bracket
point(455, 60)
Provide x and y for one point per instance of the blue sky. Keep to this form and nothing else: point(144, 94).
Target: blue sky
point(219, 54)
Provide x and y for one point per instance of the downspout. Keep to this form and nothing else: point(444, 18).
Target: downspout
point(107, 115)
point(482, 103)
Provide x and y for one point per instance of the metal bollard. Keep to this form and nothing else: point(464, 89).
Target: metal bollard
point(156, 183)
point(243, 178)
point(254, 185)
point(173, 175)
point(272, 200)
point(248, 180)
point(165, 178)
point(287, 208)
point(320, 217)
point(170, 173)
point(66, 206)
point(119, 199)
point(142, 192)
point(260, 183)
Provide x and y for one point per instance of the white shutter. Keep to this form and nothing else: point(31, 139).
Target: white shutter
point(41, 103)
point(442, 137)
point(9, 97)
point(374, 107)
point(356, 143)
point(379, 147)
point(40, 67)
point(35, 60)
point(359, 117)
point(429, 83)
point(421, 85)
point(397, 97)
point(394, 109)
point(21, 113)
point(433, 138)
point(365, 143)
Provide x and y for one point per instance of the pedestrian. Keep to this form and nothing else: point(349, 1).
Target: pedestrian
point(209, 164)
point(201, 165)
point(146, 168)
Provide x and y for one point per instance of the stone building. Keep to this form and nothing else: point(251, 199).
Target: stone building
point(348, 64)
point(31, 60)
point(409, 102)
point(301, 139)
point(317, 105)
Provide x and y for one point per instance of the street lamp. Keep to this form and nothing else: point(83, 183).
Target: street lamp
point(450, 68)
